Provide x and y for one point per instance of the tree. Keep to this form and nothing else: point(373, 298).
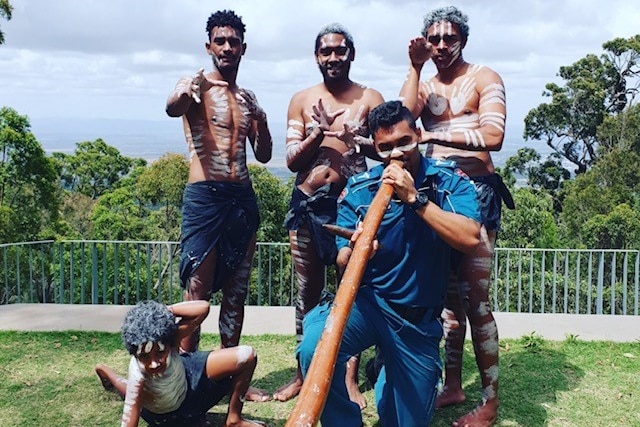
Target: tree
point(29, 196)
point(613, 181)
point(95, 167)
point(273, 203)
point(117, 216)
point(619, 229)
point(595, 87)
point(162, 185)
point(531, 224)
point(6, 12)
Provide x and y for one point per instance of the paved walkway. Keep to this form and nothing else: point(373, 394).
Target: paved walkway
point(281, 321)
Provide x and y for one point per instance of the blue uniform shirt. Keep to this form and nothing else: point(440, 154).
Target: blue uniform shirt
point(412, 266)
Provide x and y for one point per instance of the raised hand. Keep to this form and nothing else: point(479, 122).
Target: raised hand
point(420, 50)
point(351, 133)
point(255, 110)
point(323, 117)
point(200, 84)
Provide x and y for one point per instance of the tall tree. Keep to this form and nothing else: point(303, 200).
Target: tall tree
point(613, 181)
point(594, 88)
point(532, 224)
point(273, 202)
point(6, 12)
point(94, 168)
point(162, 185)
point(29, 195)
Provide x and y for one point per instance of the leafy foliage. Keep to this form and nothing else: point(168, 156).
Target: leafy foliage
point(29, 197)
point(94, 168)
point(613, 181)
point(6, 12)
point(594, 88)
point(273, 203)
point(531, 224)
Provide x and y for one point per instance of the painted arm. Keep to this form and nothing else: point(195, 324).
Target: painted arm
point(187, 91)
point(260, 136)
point(458, 231)
point(191, 314)
point(419, 52)
point(492, 115)
point(133, 396)
point(301, 150)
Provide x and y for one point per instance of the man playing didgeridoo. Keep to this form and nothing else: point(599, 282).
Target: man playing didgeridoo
point(402, 292)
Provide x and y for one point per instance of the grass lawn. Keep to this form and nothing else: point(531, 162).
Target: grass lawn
point(47, 379)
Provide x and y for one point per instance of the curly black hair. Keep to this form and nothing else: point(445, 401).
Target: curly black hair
point(334, 28)
point(450, 14)
point(388, 114)
point(148, 321)
point(226, 18)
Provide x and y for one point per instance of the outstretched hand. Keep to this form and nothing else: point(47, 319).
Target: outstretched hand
point(255, 110)
point(200, 84)
point(420, 50)
point(323, 117)
point(351, 132)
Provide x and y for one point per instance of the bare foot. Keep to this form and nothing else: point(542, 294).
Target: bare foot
point(104, 372)
point(245, 423)
point(483, 416)
point(254, 394)
point(289, 390)
point(354, 394)
point(450, 396)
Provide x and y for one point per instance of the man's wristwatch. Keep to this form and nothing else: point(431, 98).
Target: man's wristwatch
point(421, 200)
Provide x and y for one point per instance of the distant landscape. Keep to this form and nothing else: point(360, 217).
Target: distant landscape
point(149, 139)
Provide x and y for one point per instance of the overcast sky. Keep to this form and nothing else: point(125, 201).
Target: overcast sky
point(119, 59)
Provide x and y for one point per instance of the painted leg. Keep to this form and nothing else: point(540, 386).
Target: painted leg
point(454, 322)
point(234, 294)
point(309, 271)
point(110, 380)
point(200, 286)
point(475, 277)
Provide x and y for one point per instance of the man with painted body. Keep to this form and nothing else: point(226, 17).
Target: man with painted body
point(326, 144)
point(463, 110)
point(403, 288)
point(220, 212)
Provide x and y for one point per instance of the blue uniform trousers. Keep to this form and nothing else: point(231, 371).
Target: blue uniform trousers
point(407, 387)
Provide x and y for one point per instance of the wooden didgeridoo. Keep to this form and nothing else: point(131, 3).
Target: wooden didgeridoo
point(315, 387)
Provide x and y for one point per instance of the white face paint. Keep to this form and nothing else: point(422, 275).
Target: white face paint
point(440, 31)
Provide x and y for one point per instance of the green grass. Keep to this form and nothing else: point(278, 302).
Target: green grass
point(47, 379)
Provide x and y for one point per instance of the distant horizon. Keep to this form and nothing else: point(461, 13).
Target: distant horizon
point(132, 138)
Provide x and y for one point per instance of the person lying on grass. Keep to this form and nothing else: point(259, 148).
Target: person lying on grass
point(169, 388)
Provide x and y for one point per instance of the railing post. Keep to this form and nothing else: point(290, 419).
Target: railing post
point(94, 274)
point(600, 287)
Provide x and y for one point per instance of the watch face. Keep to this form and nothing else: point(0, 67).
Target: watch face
point(421, 200)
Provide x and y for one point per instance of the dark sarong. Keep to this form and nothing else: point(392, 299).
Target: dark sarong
point(492, 192)
point(202, 394)
point(312, 212)
point(223, 215)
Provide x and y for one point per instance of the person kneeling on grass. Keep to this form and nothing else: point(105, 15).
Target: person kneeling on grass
point(167, 388)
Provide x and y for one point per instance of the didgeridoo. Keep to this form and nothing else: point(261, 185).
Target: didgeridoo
point(315, 387)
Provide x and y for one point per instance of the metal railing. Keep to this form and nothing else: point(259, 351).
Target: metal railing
point(114, 272)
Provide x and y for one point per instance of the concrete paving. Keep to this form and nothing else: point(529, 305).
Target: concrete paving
point(281, 321)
